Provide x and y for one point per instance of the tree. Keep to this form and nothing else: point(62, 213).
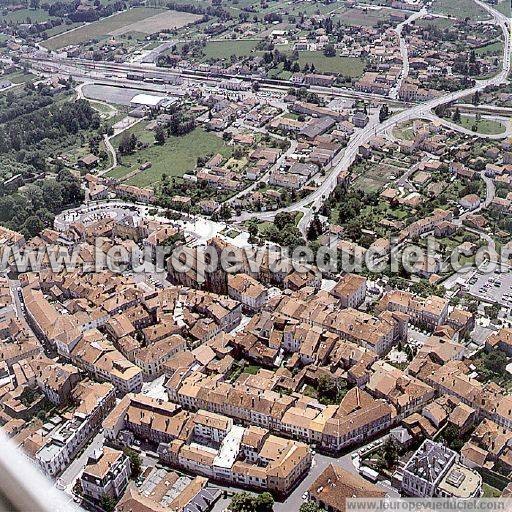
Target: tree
point(253, 231)
point(128, 144)
point(383, 113)
point(135, 462)
point(159, 135)
point(495, 361)
point(52, 193)
point(225, 212)
point(327, 389)
point(315, 228)
point(390, 454)
point(456, 116)
point(264, 502)
point(452, 437)
point(310, 506)
point(329, 50)
point(108, 503)
point(32, 226)
point(246, 502)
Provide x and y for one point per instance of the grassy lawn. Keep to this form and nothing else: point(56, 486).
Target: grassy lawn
point(105, 110)
point(252, 369)
point(404, 132)
point(486, 126)
point(225, 49)
point(440, 23)
point(375, 177)
point(59, 29)
point(490, 492)
point(176, 157)
point(504, 7)
point(495, 48)
point(22, 15)
point(347, 66)
point(460, 9)
point(101, 29)
point(19, 77)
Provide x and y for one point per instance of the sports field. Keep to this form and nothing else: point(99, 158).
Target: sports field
point(139, 19)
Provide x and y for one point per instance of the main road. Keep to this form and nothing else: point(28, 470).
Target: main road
point(314, 200)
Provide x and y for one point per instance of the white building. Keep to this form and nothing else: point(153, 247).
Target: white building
point(147, 100)
point(434, 471)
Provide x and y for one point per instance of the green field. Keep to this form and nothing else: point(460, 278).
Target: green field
point(440, 23)
point(495, 48)
point(361, 17)
point(217, 50)
point(505, 8)
point(460, 9)
point(22, 15)
point(176, 157)
point(484, 126)
point(404, 131)
point(19, 77)
point(101, 29)
point(347, 66)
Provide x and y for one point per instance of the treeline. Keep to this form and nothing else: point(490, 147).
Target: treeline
point(207, 10)
point(50, 122)
point(34, 209)
point(16, 105)
point(35, 125)
point(69, 10)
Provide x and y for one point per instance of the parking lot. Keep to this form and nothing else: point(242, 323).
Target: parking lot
point(493, 287)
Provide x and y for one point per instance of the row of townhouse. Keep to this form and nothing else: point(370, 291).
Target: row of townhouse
point(211, 445)
point(59, 447)
point(331, 427)
point(377, 333)
point(489, 400)
point(104, 362)
point(426, 312)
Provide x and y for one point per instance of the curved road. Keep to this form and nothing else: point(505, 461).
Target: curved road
point(457, 127)
point(316, 198)
point(404, 50)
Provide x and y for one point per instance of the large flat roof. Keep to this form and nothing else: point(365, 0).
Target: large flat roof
point(149, 100)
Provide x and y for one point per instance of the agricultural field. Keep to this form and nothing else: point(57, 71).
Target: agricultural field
point(348, 66)
point(138, 19)
point(362, 17)
point(460, 9)
point(217, 50)
point(23, 16)
point(177, 156)
point(158, 22)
